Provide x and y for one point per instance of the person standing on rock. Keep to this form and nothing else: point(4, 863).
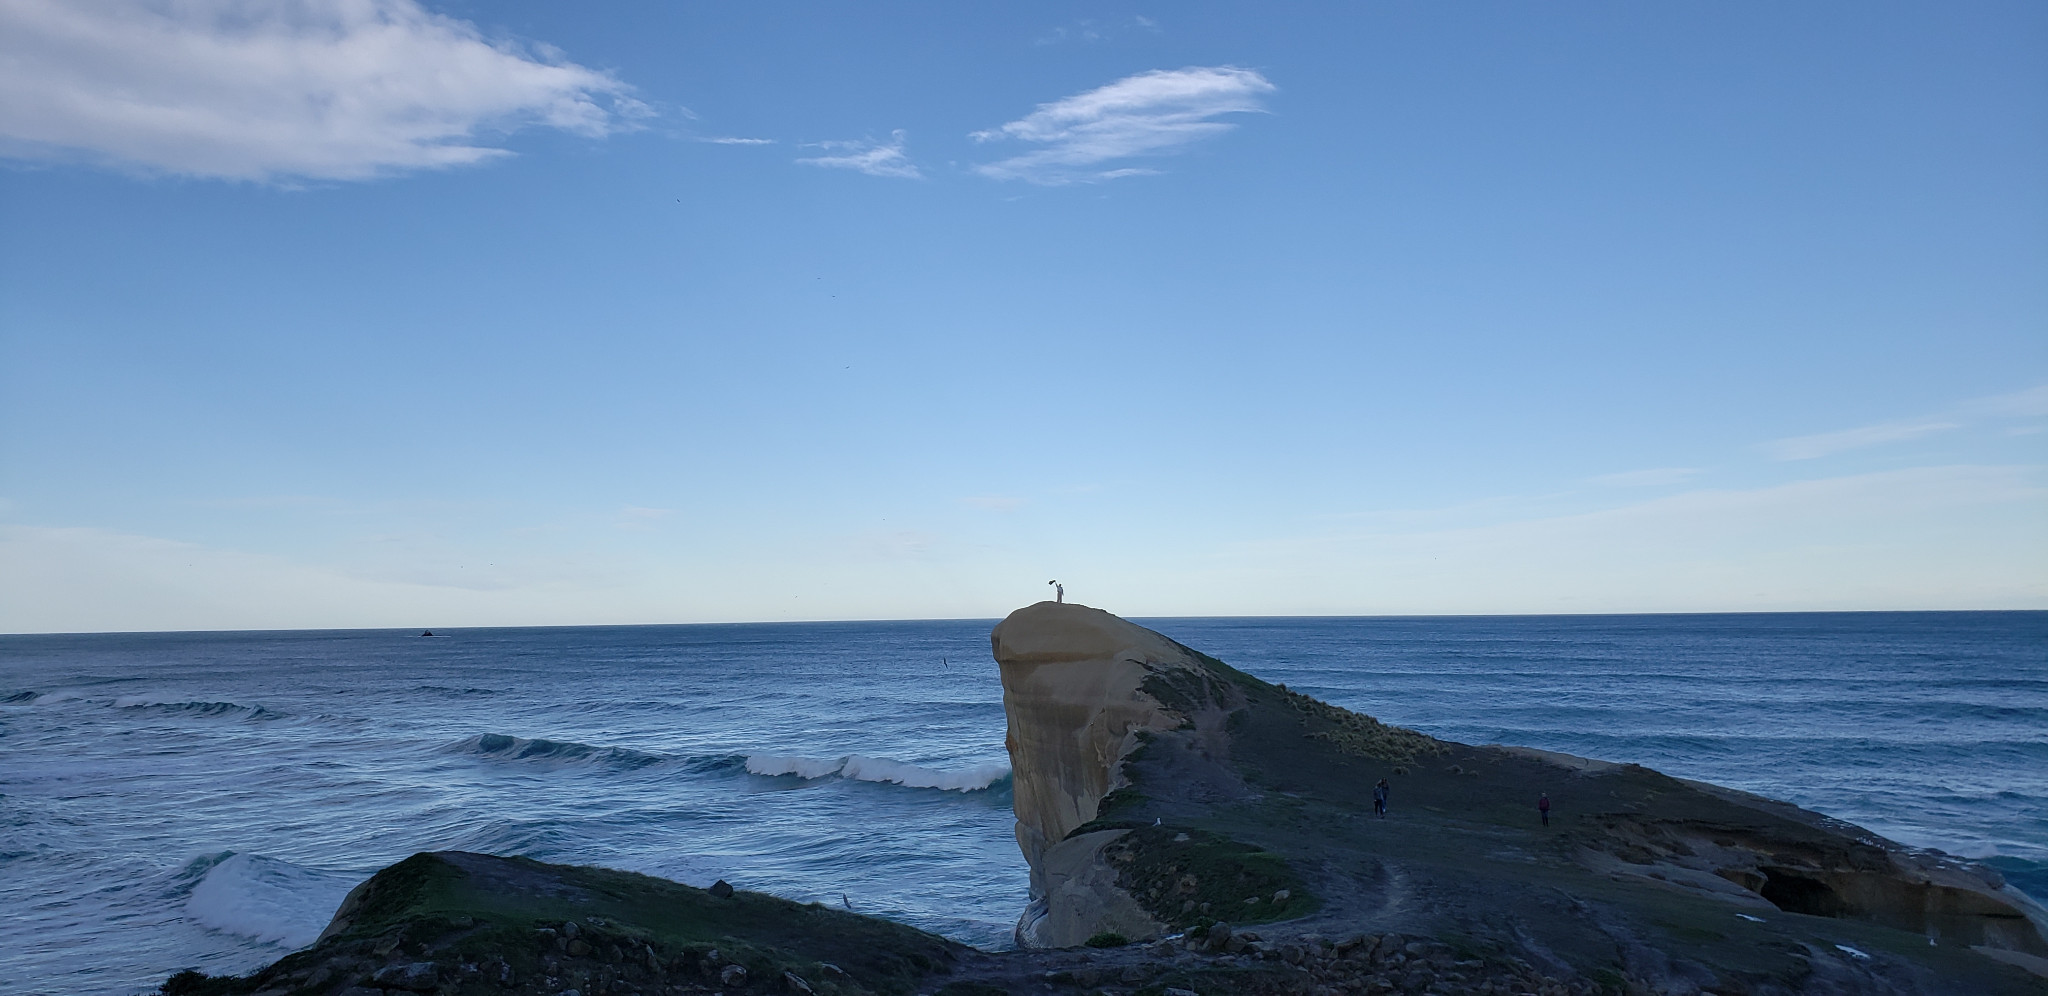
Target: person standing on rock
point(1543, 806)
point(1379, 799)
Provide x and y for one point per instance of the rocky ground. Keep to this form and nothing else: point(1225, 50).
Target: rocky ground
point(476, 925)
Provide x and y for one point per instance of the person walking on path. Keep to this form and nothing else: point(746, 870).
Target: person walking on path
point(1379, 799)
point(1543, 806)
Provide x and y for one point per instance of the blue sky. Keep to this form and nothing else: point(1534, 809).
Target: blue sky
point(376, 313)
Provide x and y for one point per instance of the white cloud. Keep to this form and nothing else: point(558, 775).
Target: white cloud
point(1150, 114)
point(729, 140)
point(280, 89)
point(1651, 478)
point(870, 157)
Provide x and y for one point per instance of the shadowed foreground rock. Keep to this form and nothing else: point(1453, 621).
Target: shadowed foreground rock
point(1193, 830)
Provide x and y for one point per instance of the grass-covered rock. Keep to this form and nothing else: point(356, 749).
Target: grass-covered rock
point(453, 922)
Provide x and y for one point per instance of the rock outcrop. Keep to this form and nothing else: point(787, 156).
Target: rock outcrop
point(1159, 791)
point(1073, 693)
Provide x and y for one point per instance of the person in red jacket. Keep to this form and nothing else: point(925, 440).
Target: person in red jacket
point(1543, 806)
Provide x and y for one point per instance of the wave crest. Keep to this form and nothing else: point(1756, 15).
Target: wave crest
point(265, 899)
point(508, 748)
point(173, 707)
point(881, 769)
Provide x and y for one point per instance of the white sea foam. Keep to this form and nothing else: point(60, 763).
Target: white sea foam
point(267, 900)
point(880, 769)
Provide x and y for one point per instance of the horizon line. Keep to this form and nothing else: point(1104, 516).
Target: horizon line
point(962, 619)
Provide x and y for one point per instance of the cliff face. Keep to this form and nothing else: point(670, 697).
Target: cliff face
point(1158, 789)
point(1072, 692)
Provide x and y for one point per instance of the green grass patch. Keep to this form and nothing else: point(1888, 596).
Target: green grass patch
point(1175, 873)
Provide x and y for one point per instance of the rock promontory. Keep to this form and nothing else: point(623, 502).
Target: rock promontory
point(1161, 792)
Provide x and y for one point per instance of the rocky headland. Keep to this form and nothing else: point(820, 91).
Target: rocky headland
point(1191, 829)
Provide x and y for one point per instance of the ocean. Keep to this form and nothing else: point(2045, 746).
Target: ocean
point(204, 800)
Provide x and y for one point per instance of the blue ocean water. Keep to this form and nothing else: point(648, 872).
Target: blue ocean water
point(173, 801)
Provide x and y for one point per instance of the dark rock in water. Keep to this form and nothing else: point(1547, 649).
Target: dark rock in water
point(1192, 786)
point(428, 633)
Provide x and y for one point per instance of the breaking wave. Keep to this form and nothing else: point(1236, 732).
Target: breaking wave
point(263, 898)
point(881, 769)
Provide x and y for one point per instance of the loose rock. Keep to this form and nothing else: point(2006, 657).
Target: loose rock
point(418, 976)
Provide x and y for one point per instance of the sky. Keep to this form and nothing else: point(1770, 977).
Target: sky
point(369, 313)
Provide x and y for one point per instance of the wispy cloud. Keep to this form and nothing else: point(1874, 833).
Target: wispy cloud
point(869, 156)
point(301, 89)
point(2032, 402)
point(1090, 30)
point(1150, 114)
point(1825, 443)
point(1651, 478)
point(729, 140)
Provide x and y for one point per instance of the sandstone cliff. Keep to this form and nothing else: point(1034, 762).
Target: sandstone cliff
point(1159, 791)
point(1072, 692)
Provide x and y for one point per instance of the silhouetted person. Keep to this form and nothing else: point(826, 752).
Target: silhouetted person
point(1543, 807)
point(1379, 799)
point(1059, 591)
